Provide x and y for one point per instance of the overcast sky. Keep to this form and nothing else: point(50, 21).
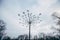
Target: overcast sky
point(9, 10)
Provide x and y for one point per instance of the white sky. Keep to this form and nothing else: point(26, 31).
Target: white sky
point(11, 8)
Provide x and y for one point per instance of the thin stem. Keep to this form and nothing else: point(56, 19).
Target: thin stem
point(29, 26)
point(29, 31)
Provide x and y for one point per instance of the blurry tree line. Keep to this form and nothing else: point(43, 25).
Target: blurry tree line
point(25, 36)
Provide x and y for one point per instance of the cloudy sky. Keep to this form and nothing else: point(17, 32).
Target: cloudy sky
point(9, 10)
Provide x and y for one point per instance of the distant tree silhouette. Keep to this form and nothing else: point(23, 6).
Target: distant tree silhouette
point(57, 17)
point(35, 38)
point(2, 28)
point(6, 38)
point(26, 37)
point(23, 37)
